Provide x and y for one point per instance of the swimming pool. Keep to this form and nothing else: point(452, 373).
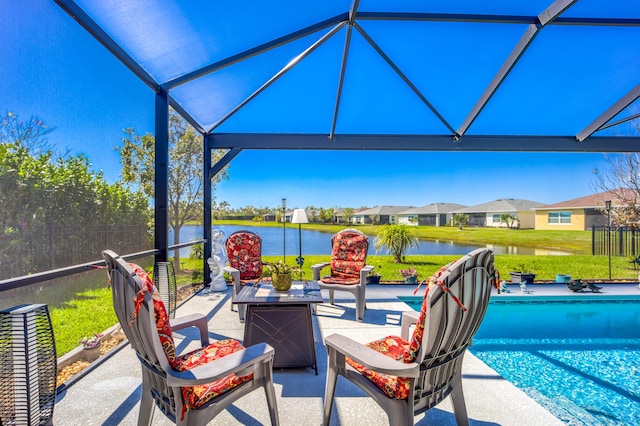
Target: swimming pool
point(579, 358)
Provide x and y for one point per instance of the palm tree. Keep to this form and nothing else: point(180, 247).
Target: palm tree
point(508, 219)
point(461, 219)
point(347, 213)
point(396, 239)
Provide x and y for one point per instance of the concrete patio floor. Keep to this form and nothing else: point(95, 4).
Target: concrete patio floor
point(109, 394)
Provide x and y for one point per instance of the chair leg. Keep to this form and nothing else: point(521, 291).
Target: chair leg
point(330, 388)
point(233, 296)
point(147, 405)
point(331, 297)
point(360, 306)
point(271, 402)
point(359, 312)
point(457, 400)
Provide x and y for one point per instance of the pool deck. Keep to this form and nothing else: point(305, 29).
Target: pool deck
point(109, 393)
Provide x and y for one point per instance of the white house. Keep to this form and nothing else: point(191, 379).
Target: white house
point(434, 214)
point(490, 214)
point(379, 215)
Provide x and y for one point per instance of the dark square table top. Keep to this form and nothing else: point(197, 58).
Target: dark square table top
point(300, 293)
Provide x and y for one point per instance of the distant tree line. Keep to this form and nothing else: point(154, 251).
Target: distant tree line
point(315, 214)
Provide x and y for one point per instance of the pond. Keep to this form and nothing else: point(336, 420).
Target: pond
point(316, 242)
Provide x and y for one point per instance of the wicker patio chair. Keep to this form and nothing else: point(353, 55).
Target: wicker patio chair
point(349, 271)
point(410, 376)
point(192, 388)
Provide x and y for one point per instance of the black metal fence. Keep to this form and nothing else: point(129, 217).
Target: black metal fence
point(47, 247)
point(623, 241)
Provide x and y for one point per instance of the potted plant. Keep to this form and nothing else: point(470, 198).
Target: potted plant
point(281, 274)
point(91, 347)
point(373, 277)
point(522, 276)
point(410, 275)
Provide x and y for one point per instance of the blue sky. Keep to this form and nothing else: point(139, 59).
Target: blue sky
point(51, 68)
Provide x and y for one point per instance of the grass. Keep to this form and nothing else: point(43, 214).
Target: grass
point(91, 312)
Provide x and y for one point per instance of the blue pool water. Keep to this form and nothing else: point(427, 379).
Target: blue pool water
point(580, 359)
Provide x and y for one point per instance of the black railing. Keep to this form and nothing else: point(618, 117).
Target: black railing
point(47, 247)
point(623, 241)
point(41, 277)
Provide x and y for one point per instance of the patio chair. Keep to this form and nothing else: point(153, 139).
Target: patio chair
point(244, 252)
point(348, 267)
point(192, 388)
point(408, 376)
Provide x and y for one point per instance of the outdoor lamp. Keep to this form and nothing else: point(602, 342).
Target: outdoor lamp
point(28, 367)
point(300, 217)
point(284, 230)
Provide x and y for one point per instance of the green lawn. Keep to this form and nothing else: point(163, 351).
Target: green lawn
point(91, 312)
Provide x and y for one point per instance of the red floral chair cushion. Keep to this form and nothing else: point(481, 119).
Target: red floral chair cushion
point(394, 347)
point(193, 397)
point(244, 251)
point(401, 350)
point(197, 396)
point(348, 257)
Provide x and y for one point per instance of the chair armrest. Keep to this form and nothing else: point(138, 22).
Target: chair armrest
point(235, 274)
point(364, 272)
point(193, 320)
point(371, 359)
point(315, 269)
point(242, 363)
point(409, 318)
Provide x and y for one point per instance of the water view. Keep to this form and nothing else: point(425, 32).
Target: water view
point(316, 242)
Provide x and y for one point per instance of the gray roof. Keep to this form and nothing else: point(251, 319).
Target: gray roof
point(434, 208)
point(383, 210)
point(503, 205)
